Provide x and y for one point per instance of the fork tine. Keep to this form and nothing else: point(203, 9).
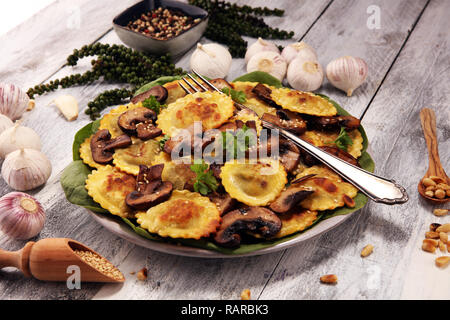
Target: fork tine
point(206, 81)
point(190, 85)
point(184, 87)
point(197, 82)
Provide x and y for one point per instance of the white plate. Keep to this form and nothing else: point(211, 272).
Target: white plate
point(125, 232)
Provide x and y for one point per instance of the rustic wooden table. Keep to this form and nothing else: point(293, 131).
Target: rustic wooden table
point(408, 55)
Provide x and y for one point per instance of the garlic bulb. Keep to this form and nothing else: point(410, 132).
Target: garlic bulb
point(211, 60)
point(5, 123)
point(258, 46)
point(305, 75)
point(26, 169)
point(347, 73)
point(300, 50)
point(13, 101)
point(17, 137)
point(270, 62)
point(68, 106)
point(21, 216)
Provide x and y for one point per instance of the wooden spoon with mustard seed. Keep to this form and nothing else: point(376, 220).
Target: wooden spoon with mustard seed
point(56, 259)
point(428, 121)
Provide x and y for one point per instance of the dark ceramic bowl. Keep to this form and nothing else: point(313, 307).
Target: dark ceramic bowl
point(176, 45)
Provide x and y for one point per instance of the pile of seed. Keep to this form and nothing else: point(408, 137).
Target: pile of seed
point(437, 237)
point(229, 22)
point(101, 264)
point(436, 187)
point(113, 63)
point(162, 24)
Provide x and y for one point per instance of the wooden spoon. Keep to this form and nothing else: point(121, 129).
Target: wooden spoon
point(428, 121)
point(49, 259)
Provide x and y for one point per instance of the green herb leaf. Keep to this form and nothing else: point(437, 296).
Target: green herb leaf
point(152, 104)
point(205, 181)
point(163, 141)
point(238, 96)
point(343, 140)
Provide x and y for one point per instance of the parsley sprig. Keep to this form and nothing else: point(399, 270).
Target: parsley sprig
point(343, 140)
point(163, 141)
point(205, 181)
point(153, 104)
point(237, 96)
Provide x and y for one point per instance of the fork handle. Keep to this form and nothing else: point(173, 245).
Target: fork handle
point(377, 188)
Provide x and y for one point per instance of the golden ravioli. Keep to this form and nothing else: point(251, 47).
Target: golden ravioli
point(211, 108)
point(324, 138)
point(179, 174)
point(295, 221)
point(252, 100)
point(109, 187)
point(331, 191)
point(185, 215)
point(140, 152)
point(86, 154)
point(174, 91)
point(303, 102)
point(109, 121)
point(255, 184)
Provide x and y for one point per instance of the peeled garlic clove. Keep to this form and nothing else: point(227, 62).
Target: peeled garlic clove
point(68, 106)
point(347, 73)
point(21, 216)
point(26, 169)
point(258, 46)
point(13, 101)
point(211, 60)
point(300, 50)
point(5, 123)
point(270, 62)
point(305, 75)
point(18, 137)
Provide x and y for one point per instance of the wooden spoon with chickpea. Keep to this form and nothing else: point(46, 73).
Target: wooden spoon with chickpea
point(435, 185)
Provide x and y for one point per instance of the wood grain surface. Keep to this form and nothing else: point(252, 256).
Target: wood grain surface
point(408, 59)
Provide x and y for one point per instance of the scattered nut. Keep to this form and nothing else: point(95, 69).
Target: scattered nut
point(246, 294)
point(444, 237)
point(142, 274)
point(434, 226)
point(444, 228)
point(443, 261)
point(443, 186)
point(437, 179)
point(429, 245)
point(367, 250)
point(440, 194)
point(440, 212)
point(428, 182)
point(432, 235)
point(441, 246)
point(329, 279)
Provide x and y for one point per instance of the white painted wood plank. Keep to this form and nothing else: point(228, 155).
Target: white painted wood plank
point(398, 268)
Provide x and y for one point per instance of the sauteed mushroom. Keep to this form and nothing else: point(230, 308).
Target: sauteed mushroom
point(150, 189)
point(159, 92)
point(263, 93)
point(220, 83)
point(287, 120)
point(223, 202)
point(257, 220)
point(139, 122)
point(289, 153)
point(290, 197)
point(102, 146)
point(333, 123)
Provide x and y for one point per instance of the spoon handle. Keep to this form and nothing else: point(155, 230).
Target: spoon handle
point(428, 121)
point(377, 188)
point(18, 259)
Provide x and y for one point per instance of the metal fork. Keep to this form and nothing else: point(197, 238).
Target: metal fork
point(377, 188)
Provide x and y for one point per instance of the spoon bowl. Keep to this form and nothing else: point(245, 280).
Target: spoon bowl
point(428, 121)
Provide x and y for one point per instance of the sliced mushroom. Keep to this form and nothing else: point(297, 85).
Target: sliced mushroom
point(220, 83)
point(333, 123)
point(139, 122)
point(223, 202)
point(287, 120)
point(150, 189)
point(102, 146)
point(264, 94)
point(257, 220)
point(290, 197)
point(159, 92)
point(288, 152)
point(181, 140)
